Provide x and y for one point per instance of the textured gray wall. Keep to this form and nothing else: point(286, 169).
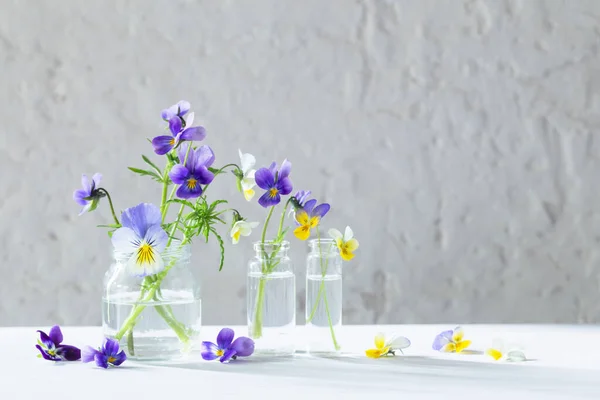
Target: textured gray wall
point(458, 138)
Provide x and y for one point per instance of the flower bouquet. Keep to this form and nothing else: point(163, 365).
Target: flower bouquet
point(151, 299)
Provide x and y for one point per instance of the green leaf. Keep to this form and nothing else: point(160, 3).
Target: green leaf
point(115, 226)
point(221, 245)
point(187, 203)
point(150, 163)
point(144, 172)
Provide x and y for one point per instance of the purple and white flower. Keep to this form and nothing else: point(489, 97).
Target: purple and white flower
point(190, 174)
point(89, 196)
point(106, 355)
point(275, 182)
point(226, 348)
point(141, 239)
point(181, 128)
point(52, 349)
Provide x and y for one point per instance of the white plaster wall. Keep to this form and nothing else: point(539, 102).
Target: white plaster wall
point(458, 138)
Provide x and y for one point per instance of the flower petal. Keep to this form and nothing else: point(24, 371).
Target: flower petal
point(204, 156)
point(380, 341)
point(225, 338)
point(203, 175)
point(182, 151)
point(301, 217)
point(247, 162)
point(96, 179)
point(285, 186)
point(348, 234)
point(119, 358)
point(441, 340)
point(189, 120)
point(321, 210)
point(125, 241)
point(170, 112)
point(309, 205)
point(79, 196)
point(266, 200)
point(194, 133)
point(157, 238)
point(163, 144)
point(185, 192)
point(449, 348)
point(141, 217)
point(183, 107)
point(302, 232)
point(463, 344)
point(101, 360)
point(209, 351)
point(68, 353)
point(110, 346)
point(352, 245)
point(398, 343)
point(145, 261)
point(46, 341)
point(516, 356)
point(175, 125)
point(373, 353)
point(458, 334)
point(88, 353)
point(227, 355)
point(86, 184)
point(286, 168)
point(494, 353)
point(243, 346)
point(44, 353)
point(56, 335)
point(335, 234)
point(179, 174)
point(264, 178)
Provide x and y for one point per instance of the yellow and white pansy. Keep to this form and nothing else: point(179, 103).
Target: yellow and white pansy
point(506, 352)
point(345, 243)
point(247, 182)
point(387, 345)
point(241, 228)
point(451, 341)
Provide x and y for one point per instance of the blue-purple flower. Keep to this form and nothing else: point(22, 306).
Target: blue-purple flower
point(193, 172)
point(275, 182)
point(181, 128)
point(52, 349)
point(226, 348)
point(308, 217)
point(451, 341)
point(141, 239)
point(89, 196)
point(106, 355)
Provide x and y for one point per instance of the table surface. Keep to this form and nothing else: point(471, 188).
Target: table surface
point(563, 362)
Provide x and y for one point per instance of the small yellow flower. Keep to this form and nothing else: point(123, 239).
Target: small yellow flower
point(451, 341)
point(345, 243)
point(384, 346)
point(500, 351)
point(241, 228)
point(308, 217)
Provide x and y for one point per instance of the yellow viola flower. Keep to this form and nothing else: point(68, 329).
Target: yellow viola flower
point(500, 351)
point(389, 346)
point(345, 243)
point(308, 217)
point(451, 341)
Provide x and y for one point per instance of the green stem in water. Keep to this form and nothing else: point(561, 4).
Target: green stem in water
point(112, 208)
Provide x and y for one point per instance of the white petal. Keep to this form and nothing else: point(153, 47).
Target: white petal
point(335, 234)
point(247, 161)
point(254, 224)
point(515, 356)
point(146, 268)
point(398, 343)
point(248, 183)
point(157, 236)
point(348, 234)
point(189, 120)
point(125, 241)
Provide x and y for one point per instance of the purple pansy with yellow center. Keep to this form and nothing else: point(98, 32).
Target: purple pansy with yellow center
point(275, 182)
point(193, 171)
point(451, 341)
point(89, 196)
point(52, 349)
point(106, 355)
point(181, 128)
point(226, 348)
point(308, 217)
point(141, 240)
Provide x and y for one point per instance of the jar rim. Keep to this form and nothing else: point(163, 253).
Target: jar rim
point(284, 245)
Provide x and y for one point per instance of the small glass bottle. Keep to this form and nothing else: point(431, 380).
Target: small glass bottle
point(323, 297)
point(157, 317)
point(271, 299)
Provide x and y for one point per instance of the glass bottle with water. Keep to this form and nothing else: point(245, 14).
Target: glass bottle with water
point(323, 297)
point(271, 299)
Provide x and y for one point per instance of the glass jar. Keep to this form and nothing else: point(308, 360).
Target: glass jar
point(323, 297)
point(271, 299)
point(157, 317)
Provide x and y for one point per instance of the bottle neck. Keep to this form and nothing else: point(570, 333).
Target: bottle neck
point(269, 249)
point(323, 247)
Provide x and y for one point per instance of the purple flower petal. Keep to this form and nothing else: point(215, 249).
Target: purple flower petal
point(175, 125)
point(96, 179)
point(79, 196)
point(119, 358)
point(204, 156)
point(182, 151)
point(195, 133)
point(225, 337)
point(45, 339)
point(111, 346)
point(170, 112)
point(157, 238)
point(56, 335)
point(441, 340)
point(44, 354)
point(141, 217)
point(243, 346)
point(163, 144)
point(264, 179)
point(273, 168)
point(267, 201)
point(285, 186)
point(227, 355)
point(183, 107)
point(308, 207)
point(209, 351)
point(68, 353)
point(185, 191)
point(179, 174)
point(88, 353)
point(125, 241)
point(321, 210)
point(286, 168)
point(203, 175)
point(101, 360)
point(86, 184)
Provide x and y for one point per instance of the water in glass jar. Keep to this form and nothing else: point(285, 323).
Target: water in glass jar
point(318, 331)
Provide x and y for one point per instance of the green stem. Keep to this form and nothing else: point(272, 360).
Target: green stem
point(335, 343)
point(163, 198)
point(217, 172)
point(112, 208)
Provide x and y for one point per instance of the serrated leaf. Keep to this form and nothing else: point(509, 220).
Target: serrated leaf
point(222, 247)
point(144, 172)
point(186, 202)
point(150, 163)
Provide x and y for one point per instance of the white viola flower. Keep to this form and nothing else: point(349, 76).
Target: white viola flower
point(241, 228)
point(506, 352)
point(247, 182)
point(345, 243)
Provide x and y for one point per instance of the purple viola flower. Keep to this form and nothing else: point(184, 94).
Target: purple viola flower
point(90, 195)
point(275, 182)
point(106, 355)
point(141, 239)
point(52, 349)
point(226, 348)
point(309, 217)
point(190, 174)
point(298, 200)
point(181, 129)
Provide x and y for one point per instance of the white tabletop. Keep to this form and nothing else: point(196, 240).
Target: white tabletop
point(564, 363)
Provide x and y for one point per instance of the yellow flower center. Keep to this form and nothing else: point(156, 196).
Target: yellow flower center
point(273, 192)
point(111, 359)
point(220, 353)
point(145, 254)
point(191, 183)
point(172, 142)
point(236, 235)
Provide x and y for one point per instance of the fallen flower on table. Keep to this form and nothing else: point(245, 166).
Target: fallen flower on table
point(502, 351)
point(52, 349)
point(451, 341)
point(227, 348)
point(106, 355)
point(387, 346)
